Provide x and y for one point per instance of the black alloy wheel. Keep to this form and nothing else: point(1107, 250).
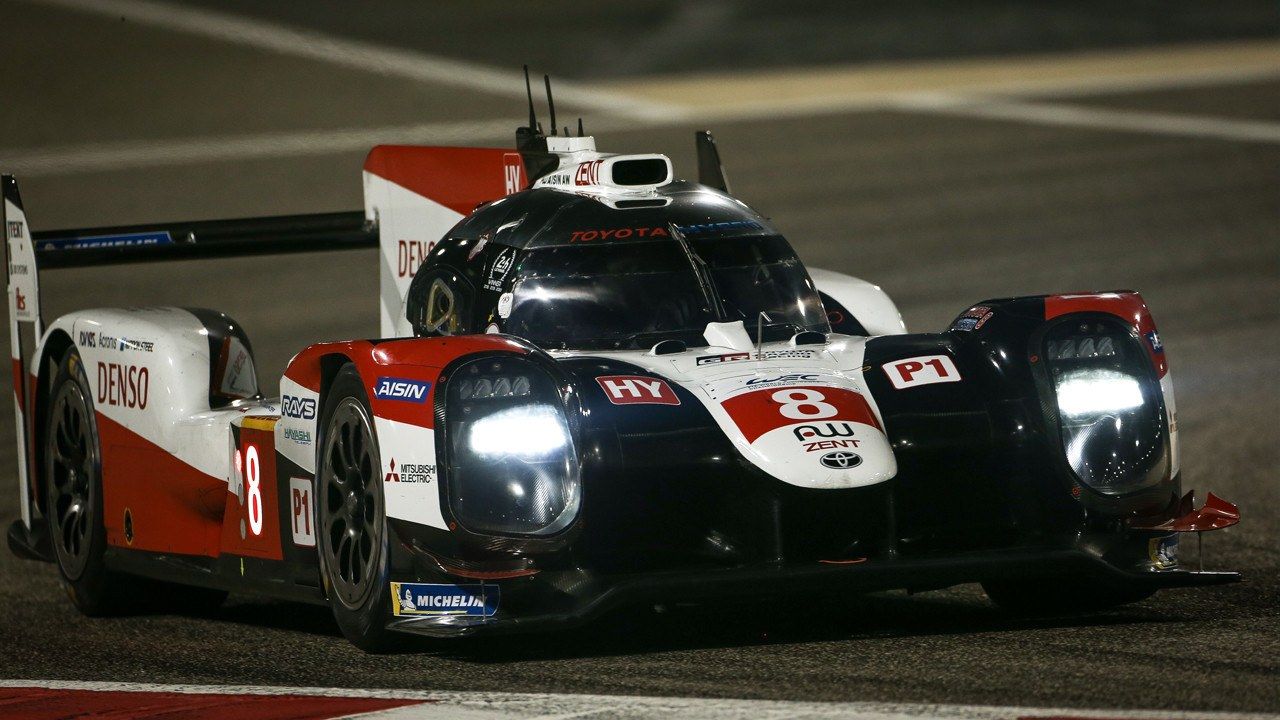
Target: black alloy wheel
point(351, 516)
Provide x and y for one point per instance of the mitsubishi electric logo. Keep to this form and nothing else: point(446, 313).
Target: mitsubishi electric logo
point(841, 460)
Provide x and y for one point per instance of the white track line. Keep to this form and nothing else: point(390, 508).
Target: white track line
point(549, 705)
point(109, 157)
point(992, 101)
point(97, 157)
point(393, 62)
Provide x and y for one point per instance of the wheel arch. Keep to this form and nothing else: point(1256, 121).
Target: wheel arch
point(55, 343)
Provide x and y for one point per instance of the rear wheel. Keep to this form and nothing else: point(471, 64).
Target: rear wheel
point(73, 487)
point(1051, 596)
point(351, 516)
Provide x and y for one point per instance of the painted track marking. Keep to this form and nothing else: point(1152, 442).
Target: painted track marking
point(432, 704)
point(355, 54)
point(999, 90)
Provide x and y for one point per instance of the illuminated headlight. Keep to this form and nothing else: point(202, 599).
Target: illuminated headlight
point(1108, 404)
point(512, 467)
point(1087, 393)
point(526, 431)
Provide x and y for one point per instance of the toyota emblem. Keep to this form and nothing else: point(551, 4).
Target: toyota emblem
point(841, 460)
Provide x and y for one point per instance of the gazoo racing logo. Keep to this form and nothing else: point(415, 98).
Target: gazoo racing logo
point(841, 436)
point(296, 407)
point(389, 388)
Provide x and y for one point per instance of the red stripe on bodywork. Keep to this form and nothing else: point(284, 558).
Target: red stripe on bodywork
point(458, 178)
point(175, 508)
point(17, 384)
point(756, 413)
point(419, 359)
point(42, 704)
point(1128, 306)
point(237, 515)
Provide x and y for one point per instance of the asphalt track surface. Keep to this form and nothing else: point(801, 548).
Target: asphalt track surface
point(941, 210)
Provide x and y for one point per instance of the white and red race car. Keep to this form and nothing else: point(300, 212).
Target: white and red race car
point(595, 384)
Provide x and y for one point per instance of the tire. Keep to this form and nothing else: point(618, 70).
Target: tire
point(72, 474)
point(1051, 596)
point(350, 516)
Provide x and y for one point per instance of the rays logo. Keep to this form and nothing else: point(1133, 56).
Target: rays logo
point(389, 388)
point(841, 460)
point(296, 407)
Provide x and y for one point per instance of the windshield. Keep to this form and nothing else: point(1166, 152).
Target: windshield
point(628, 295)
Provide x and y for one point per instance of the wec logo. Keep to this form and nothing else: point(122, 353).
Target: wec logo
point(792, 378)
point(296, 407)
point(414, 391)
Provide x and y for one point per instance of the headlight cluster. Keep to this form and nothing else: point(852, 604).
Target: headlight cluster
point(512, 468)
point(1108, 403)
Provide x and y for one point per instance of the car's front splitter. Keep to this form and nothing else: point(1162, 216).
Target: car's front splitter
point(562, 598)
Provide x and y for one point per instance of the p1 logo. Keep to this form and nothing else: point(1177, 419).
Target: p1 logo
point(304, 533)
point(923, 370)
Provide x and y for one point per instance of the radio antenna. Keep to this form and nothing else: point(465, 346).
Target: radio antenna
point(551, 105)
point(528, 89)
point(580, 133)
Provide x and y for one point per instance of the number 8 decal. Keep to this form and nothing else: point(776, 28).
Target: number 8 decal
point(804, 404)
point(252, 474)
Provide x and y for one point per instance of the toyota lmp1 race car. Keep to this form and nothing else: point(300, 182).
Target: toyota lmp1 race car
point(595, 384)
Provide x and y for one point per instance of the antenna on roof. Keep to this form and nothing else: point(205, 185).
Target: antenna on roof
point(551, 104)
point(528, 89)
point(530, 139)
point(580, 133)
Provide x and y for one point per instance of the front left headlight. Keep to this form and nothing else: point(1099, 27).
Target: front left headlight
point(1110, 412)
point(512, 466)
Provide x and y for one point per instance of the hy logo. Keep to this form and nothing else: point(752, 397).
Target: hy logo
point(513, 172)
point(389, 388)
point(296, 407)
point(841, 460)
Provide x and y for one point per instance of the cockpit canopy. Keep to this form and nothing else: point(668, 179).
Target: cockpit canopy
point(567, 272)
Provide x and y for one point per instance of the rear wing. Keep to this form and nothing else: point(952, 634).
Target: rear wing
point(29, 253)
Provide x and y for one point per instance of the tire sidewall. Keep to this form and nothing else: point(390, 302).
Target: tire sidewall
point(364, 626)
point(90, 591)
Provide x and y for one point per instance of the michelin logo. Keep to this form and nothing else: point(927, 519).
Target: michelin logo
point(432, 599)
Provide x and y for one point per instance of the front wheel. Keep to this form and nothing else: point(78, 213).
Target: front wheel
point(351, 516)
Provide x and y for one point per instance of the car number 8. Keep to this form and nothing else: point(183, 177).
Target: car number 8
point(252, 473)
point(804, 404)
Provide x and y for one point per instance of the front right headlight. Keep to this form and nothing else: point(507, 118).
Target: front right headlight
point(1110, 412)
point(511, 463)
